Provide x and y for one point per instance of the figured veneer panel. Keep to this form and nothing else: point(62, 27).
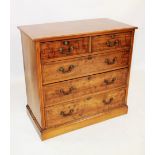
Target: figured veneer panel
point(75, 88)
point(111, 41)
point(84, 107)
point(76, 73)
point(64, 48)
point(83, 66)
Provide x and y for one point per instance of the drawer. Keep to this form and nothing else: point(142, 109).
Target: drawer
point(84, 107)
point(71, 89)
point(111, 41)
point(63, 48)
point(92, 64)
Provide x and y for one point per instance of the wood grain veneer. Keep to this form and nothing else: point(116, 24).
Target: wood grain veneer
point(76, 73)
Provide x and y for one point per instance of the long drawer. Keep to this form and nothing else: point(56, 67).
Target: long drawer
point(75, 88)
point(91, 64)
point(84, 107)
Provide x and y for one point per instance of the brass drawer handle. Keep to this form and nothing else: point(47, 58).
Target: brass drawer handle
point(69, 69)
point(71, 89)
point(110, 62)
point(109, 82)
point(64, 114)
point(108, 101)
point(112, 43)
point(90, 57)
point(66, 51)
point(113, 36)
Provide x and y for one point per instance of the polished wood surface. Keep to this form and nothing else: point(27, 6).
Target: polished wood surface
point(111, 41)
point(68, 90)
point(49, 30)
point(52, 132)
point(84, 66)
point(77, 73)
point(64, 48)
point(84, 107)
point(31, 75)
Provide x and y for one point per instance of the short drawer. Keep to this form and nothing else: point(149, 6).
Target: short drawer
point(111, 41)
point(91, 64)
point(85, 107)
point(71, 89)
point(63, 48)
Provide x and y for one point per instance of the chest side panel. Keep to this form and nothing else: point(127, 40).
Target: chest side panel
point(31, 76)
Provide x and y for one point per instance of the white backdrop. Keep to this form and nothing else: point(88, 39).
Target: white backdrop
point(119, 136)
point(24, 12)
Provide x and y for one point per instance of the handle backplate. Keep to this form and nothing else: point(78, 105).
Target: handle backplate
point(69, 69)
point(110, 62)
point(67, 51)
point(63, 92)
point(65, 114)
point(112, 43)
point(109, 101)
point(109, 82)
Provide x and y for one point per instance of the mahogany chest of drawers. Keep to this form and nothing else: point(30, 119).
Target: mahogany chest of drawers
point(76, 73)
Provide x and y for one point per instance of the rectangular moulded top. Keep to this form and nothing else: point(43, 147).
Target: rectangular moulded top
point(70, 28)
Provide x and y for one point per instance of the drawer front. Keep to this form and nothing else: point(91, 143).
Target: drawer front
point(71, 89)
point(85, 107)
point(60, 71)
point(63, 48)
point(111, 41)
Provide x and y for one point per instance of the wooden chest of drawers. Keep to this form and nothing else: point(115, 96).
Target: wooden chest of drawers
point(77, 73)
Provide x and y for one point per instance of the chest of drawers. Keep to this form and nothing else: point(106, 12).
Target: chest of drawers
point(76, 73)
